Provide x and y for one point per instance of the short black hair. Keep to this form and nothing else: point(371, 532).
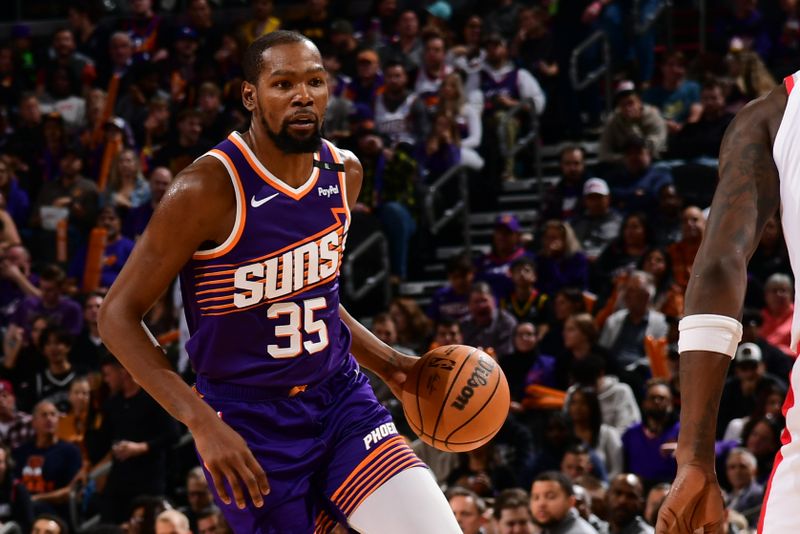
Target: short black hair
point(560, 478)
point(253, 60)
point(62, 525)
point(53, 273)
point(481, 287)
point(571, 148)
point(58, 333)
point(510, 499)
point(752, 317)
point(208, 511)
point(90, 8)
point(523, 261)
point(394, 63)
point(713, 83)
point(447, 323)
point(460, 491)
point(460, 264)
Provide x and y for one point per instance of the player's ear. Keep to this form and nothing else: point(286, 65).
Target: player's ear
point(249, 96)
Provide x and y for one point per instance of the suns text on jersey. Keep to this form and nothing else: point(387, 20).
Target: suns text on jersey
point(292, 271)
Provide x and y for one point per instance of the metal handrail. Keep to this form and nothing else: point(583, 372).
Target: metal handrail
point(603, 70)
point(11, 528)
point(460, 208)
point(75, 496)
point(701, 16)
point(641, 26)
point(376, 239)
point(528, 106)
point(529, 138)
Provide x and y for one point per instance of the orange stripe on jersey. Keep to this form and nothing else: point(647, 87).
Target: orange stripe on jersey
point(374, 475)
point(364, 463)
point(212, 282)
point(213, 299)
point(377, 477)
point(324, 523)
point(205, 275)
point(241, 210)
point(391, 471)
point(342, 177)
point(296, 194)
point(272, 301)
point(318, 235)
point(207, 291)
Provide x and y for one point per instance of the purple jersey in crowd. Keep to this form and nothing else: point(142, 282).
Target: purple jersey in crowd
point(263, 307)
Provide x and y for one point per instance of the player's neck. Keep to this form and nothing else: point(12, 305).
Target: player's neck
point(292, 169)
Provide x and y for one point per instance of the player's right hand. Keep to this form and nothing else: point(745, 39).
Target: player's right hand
point(226, 456)
point(694, 503)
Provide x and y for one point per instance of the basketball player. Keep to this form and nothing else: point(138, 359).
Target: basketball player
point(759, 173)
point(290, 434)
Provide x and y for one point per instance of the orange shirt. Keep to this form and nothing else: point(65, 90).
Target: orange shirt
point(682, 255)
point(777, 330)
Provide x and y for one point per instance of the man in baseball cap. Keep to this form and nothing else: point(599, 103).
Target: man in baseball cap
point(598, 225)
point(750, 380)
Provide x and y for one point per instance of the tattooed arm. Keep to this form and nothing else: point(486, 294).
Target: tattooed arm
point(747, 196)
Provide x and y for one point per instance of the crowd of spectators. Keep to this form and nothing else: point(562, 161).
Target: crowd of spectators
point(580, 308)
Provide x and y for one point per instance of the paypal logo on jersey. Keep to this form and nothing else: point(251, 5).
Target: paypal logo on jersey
point(329, 191)
point(304, 265)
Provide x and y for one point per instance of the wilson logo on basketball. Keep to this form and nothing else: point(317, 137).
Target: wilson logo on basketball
point(480, 377)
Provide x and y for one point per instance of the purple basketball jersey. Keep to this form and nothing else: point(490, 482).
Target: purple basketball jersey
point(263, 307)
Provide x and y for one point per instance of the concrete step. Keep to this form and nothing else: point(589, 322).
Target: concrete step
point(529, 184)
point(421, 288)
point(488, 217)
point(447, 252)
point(553, 151)
point(528, 200)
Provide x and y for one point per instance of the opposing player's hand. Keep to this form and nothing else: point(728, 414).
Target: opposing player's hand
point(397, 376)
point(227, 458)
point(694, 504)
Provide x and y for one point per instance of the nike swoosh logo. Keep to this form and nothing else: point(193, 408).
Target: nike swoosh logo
point(256, 203)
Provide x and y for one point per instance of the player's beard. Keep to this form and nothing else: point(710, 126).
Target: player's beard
point(289, 144)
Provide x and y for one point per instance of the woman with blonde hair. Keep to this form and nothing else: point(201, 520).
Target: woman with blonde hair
point(453, 101)
point(127, 187)
point(561, 261)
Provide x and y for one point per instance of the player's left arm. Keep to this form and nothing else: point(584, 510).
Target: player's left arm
point(370, 351)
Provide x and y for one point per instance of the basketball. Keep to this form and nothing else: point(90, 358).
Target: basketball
point(456, 398)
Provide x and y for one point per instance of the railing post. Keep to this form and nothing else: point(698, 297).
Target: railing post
point(463, 182)
point(702, 23)
point(382, 276)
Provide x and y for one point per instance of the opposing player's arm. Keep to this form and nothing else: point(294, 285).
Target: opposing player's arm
point(747, 196)
point(198, 207)
point(370, 351)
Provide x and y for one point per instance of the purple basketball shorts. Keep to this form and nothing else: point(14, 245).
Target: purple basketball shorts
point(325, 449)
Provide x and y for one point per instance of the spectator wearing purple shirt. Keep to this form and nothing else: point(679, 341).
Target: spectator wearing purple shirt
point(17, 202)
point(115, 254)
point(16, 280)
point(647, 444)
point(494, 268)
point(560, 261)
point(440, 151)
point(138, 217)
point(53, 305)
point(451, 302)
